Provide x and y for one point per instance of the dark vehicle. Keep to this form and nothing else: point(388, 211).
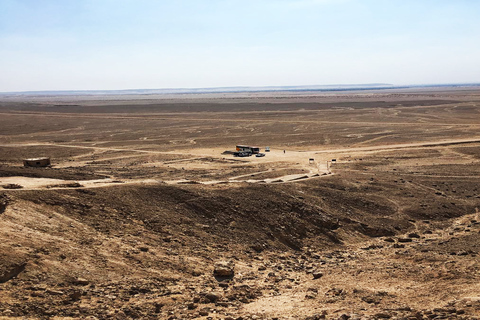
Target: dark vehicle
point(242, 154)
point(258, 155)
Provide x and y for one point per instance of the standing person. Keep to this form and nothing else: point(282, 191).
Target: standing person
point(283, 151)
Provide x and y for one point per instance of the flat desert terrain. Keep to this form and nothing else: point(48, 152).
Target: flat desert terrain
point(366, 207)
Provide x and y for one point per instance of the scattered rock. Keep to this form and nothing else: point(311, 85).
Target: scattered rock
point(371, 299)
point(81, 281)
point(372, 247)
point(258, 247)
point(204, 312)
point(196, 273)
point(12, 186)
point(335, 292)
point(54, 292)
point(75, 295)
point(317, 316)
point(38, 294)
point(213, 296)
point(8, 313)
point(10, 270)
point(224, 269)
point(317, 274)
point(375, 232)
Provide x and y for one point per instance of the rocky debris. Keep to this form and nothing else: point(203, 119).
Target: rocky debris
point(161, 252)
point(213, 296)
point(204, 312)
point(258, 247)
point(371, 299)
point(375, 231)
point(224, 269)
point(66, 185)
point(81, 281)
point(243, 293)
point(12, 186)
point(75, 295)
point(11, 265)
point(317, 316)
point(205, 297)
point(373, 247)
point(4, 200)
point(54, 292)
point(335, 294)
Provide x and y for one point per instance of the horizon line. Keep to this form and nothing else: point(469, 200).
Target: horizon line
point(239, 89)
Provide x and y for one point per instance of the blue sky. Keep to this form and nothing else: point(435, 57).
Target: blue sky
point(128, 44)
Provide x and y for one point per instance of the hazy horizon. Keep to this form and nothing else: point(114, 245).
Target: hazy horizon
point(240, 89)
point(55, 45)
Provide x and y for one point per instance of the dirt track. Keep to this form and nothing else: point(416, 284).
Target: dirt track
point(293, 156)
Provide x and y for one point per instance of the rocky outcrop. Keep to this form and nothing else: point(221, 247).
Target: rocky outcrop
point(10, 270)
point(3, 203)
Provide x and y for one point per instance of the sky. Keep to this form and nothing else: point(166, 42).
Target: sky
point(154, 44)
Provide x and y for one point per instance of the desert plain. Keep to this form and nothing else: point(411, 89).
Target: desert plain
point(366, 207)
